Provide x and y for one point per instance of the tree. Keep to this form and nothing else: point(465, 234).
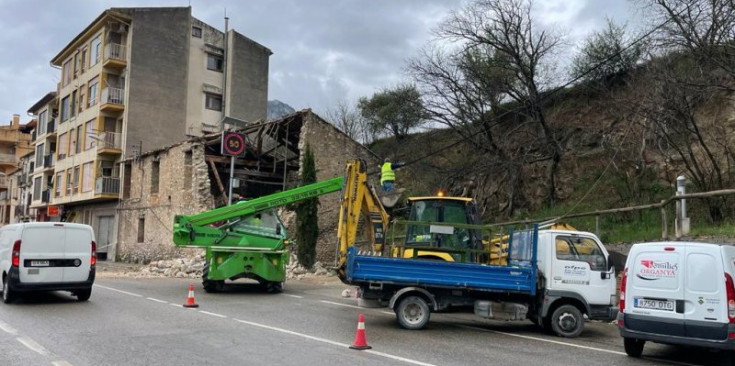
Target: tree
point(396, 110)
point(348, 120)
point(604, 55)
point(506, 27)
point(307, 223)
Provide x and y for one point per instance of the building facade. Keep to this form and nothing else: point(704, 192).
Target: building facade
point(15, 142)
point(46, 111)
point(136, 80)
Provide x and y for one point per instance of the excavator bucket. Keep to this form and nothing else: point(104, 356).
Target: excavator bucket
point(390, 199)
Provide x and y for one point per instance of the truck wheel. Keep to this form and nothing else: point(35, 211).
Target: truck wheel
point(567, 321)
point(413, 312)
point(211, 286)
point(633, 347)
point(83, 295)
point(8, 293)
point(274, 287)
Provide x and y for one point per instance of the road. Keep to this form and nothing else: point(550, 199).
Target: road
point(141, 322)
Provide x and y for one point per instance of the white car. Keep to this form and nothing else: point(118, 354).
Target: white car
point(47, 256)
point(678, 293)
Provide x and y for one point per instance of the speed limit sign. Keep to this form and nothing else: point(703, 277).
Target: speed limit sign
point(233, 144)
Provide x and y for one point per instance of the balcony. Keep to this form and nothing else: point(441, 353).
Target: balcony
point(112, 99)
point(115, 56)
point(51, 127)
point(107, 186)
point(8, 159)
point(45, 196)
point(109, 143)
point(48, 161)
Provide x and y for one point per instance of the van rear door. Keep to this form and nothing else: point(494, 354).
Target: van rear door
point(78, 252)
point(705, 297)
point(42, 245)
point(655, 289)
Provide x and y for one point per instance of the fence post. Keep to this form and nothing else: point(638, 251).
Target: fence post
point(597, 225)
point(664, 222)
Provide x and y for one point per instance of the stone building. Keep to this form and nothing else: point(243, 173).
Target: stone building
point(14, 144)
point(192, 176)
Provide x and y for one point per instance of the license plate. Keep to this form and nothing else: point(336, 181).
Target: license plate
point(39, 263)
point(654, 304)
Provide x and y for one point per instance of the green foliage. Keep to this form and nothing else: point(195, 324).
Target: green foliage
point(307, 225)
point(395, 110)
point(606, 48)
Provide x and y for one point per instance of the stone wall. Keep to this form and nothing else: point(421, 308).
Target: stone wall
point(178, 194)
point(332, 149)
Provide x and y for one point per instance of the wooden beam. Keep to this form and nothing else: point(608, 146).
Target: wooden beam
point(255, 173)
point(217, 178)
point(226, 160)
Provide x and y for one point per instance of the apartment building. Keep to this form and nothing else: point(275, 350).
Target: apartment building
point(46, 112)
point(135, 80)
point(15, 141)
point(22, 191)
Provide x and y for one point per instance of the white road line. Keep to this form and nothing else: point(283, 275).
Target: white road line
point(32, 345)
point(116, 290)
point(341, 304)
point(156, 300)
point(8, 329)
point(212, 314)
point(296, 296)
point(388, 312)
point(543, 340)
point(338, 344)
point(61, 363)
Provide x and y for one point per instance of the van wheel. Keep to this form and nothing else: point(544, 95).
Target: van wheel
point(633, 347)
point(83, 295)
point(8, 294)
point(413, 312)
point(211, 285)
point(567, 321)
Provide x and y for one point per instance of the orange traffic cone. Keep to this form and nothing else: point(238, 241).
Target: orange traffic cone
point(360, 343)
point(190, 302)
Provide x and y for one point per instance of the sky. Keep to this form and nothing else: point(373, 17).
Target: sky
point(324, 51)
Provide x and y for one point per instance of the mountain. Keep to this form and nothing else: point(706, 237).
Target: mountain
point(278, 109)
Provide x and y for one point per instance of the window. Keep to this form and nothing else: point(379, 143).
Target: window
point(81, 99)
point(155, 168)
point(72, 142)
point(575, 248)
point(83, 60)
point(96, 45)
point(42, 123)
point(37, 188)
point(73, 104)
point(196, 32)
point(214, 62)
point(87, 177)
point(66, 73)
point(187, 169)
point(213, 101)
point(92, 92)
point(76, 65)
point(69, 181)
point(128, 179)
point(39, 156)
point(89, 135)
point(65, 109)
point(63, 146)
point(79, 141)
point(59, 183)
point(76, 179)
point(141, 230)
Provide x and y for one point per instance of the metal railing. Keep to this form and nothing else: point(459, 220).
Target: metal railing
point(107, 185)
point(113, 95)
point(109, 140)
point(115, 51)
point(48, 161)
point(51, 126)
point(45, 195)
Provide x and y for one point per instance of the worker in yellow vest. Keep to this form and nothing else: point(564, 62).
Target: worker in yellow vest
point(387, 175)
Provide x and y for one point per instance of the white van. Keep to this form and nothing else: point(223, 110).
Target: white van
point(678, 293)
point(47, 256)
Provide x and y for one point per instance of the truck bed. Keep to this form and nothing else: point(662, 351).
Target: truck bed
point(427, 273)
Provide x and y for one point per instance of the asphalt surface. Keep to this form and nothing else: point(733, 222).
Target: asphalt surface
point(133, 321)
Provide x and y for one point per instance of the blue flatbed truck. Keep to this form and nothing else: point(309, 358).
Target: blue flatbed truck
point(532, 286)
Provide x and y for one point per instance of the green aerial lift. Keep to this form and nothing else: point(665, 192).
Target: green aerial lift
point(246, 239)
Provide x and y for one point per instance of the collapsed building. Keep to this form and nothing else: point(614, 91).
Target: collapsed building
point(191, 176)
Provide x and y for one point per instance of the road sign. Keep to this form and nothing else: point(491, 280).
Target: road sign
point(53, 211)
point(233, 144)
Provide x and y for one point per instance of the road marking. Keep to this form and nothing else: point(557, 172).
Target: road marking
point(340, 304)
point(61, 363)
point(388, 312)
point(156, 300)
point(7, 328)
point(338, 344)
point(32, 345)
point(212, 314)
point(543, 340)
point(116, 290)
point(296, 296)
point(176, 305)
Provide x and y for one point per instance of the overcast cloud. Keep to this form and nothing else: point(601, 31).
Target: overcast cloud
point(323, 50)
